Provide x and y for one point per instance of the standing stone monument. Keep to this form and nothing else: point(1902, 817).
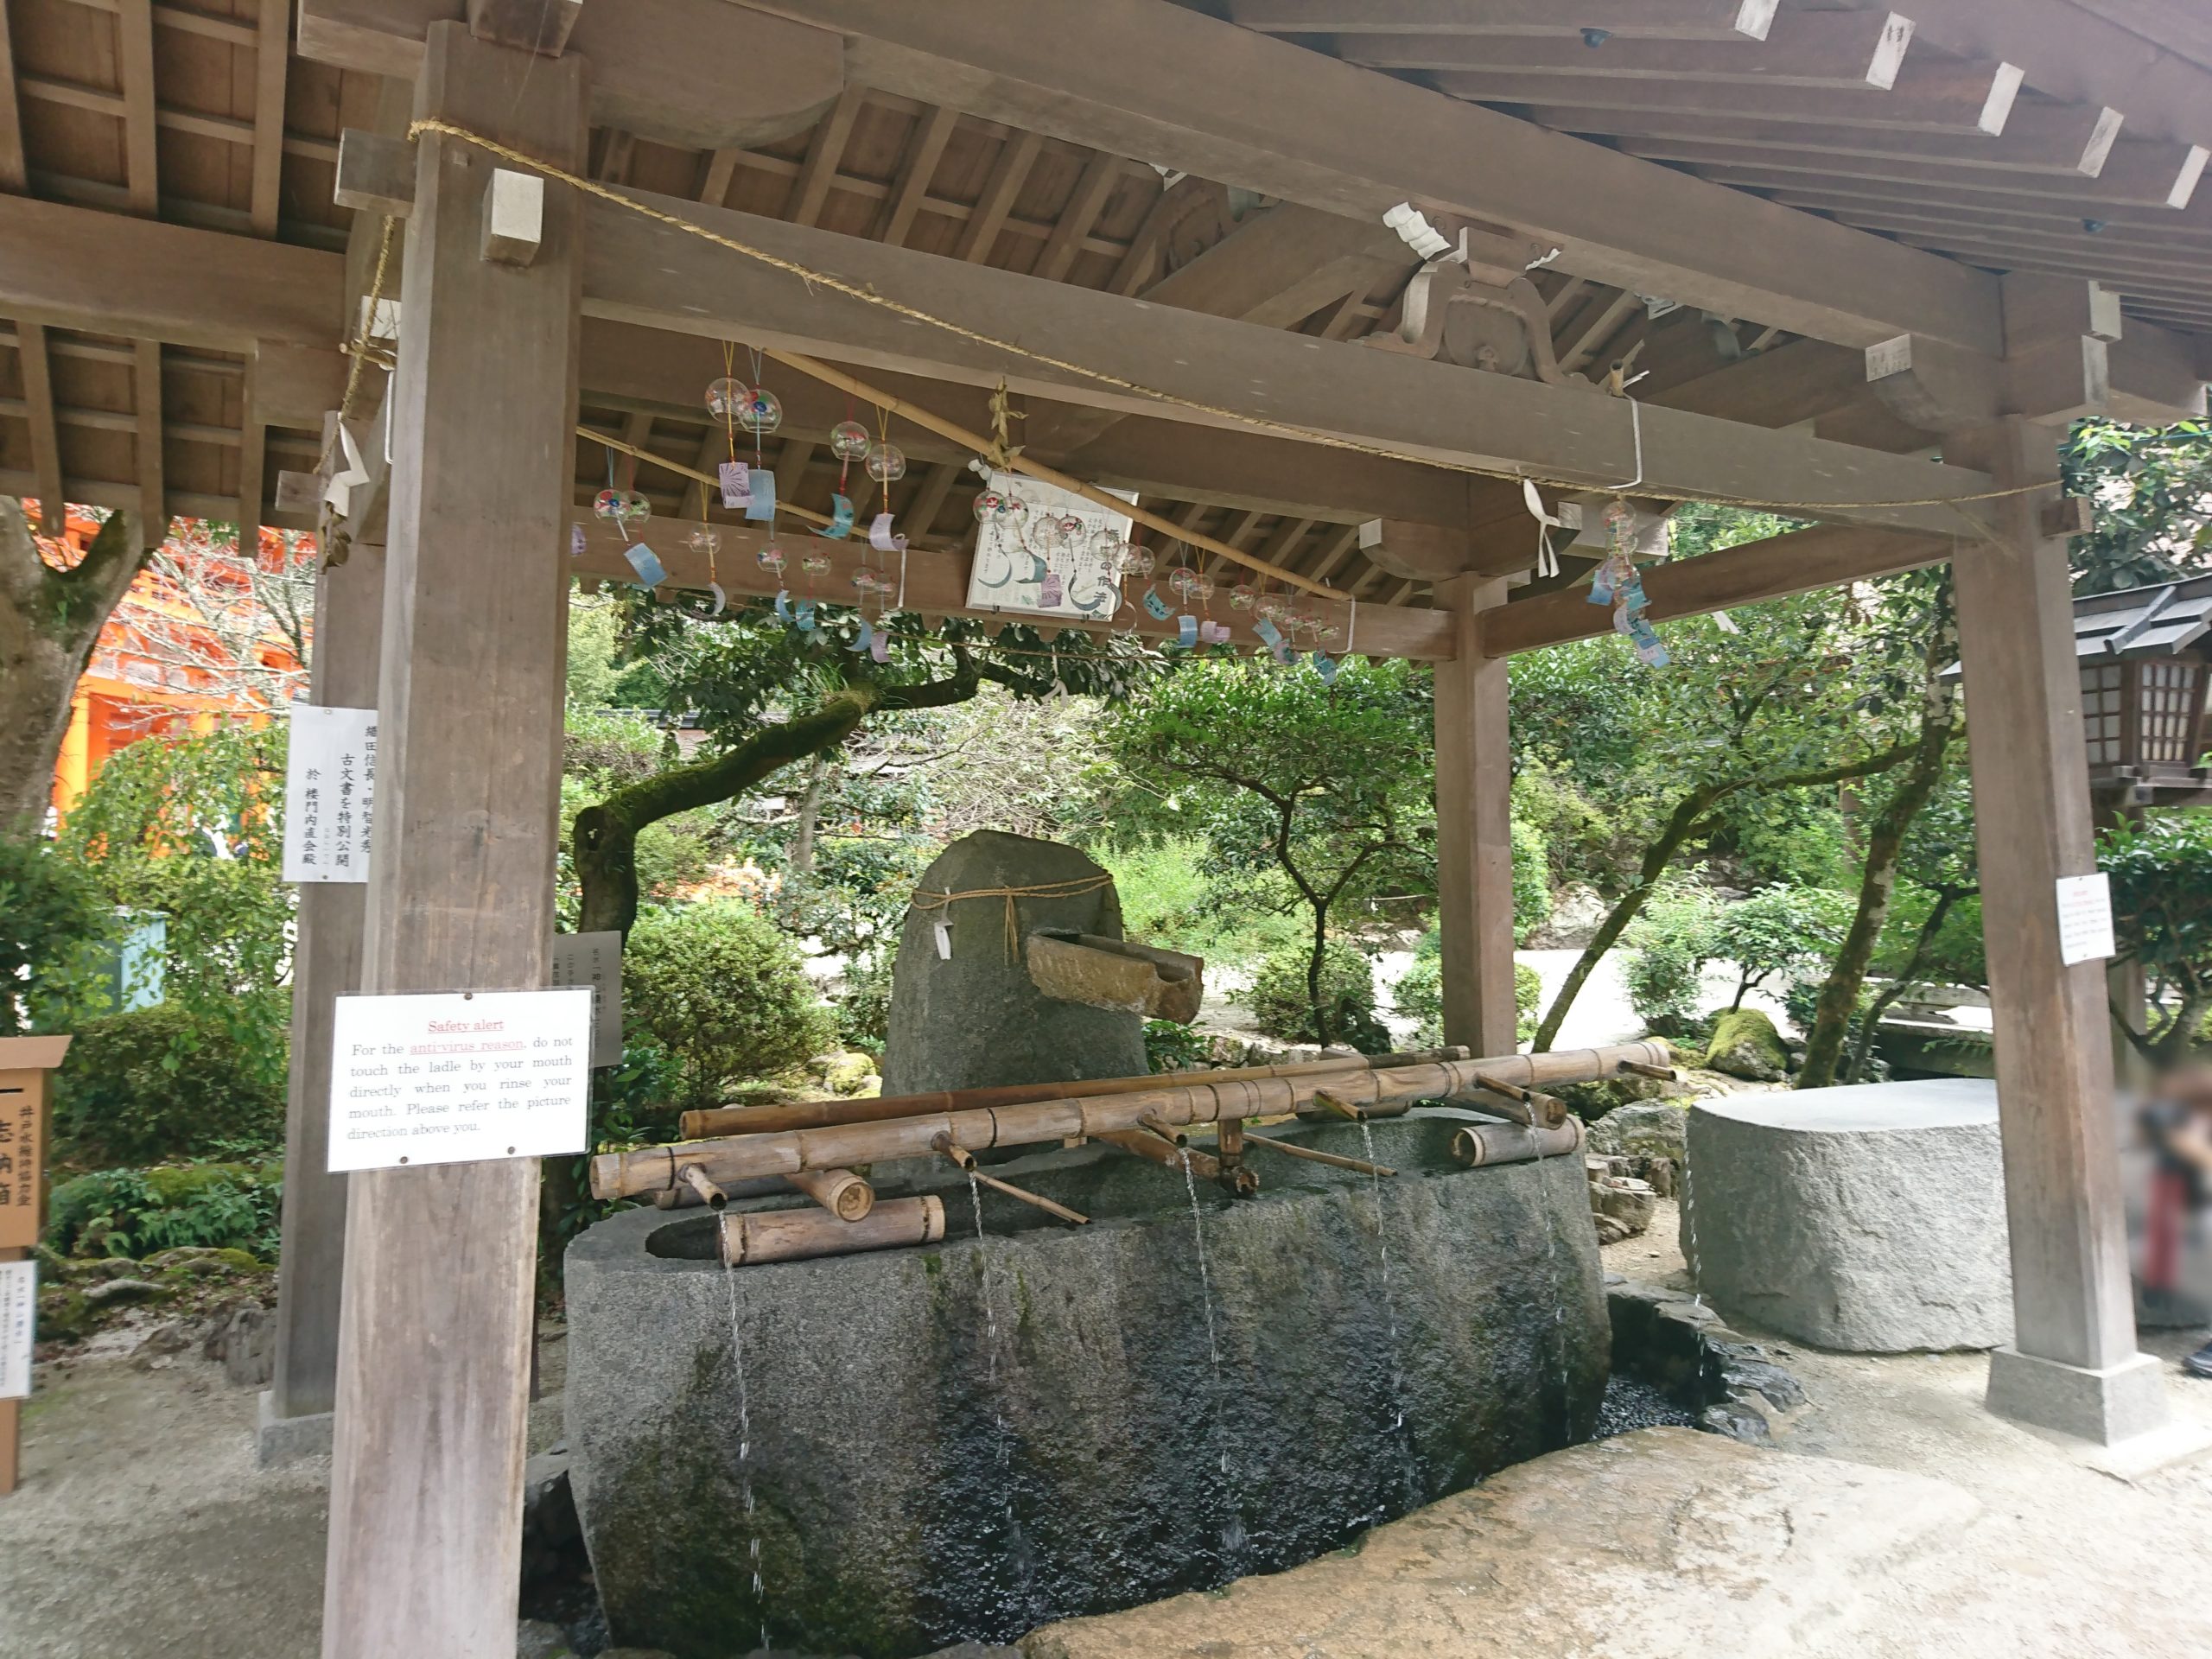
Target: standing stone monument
point(975, 1017)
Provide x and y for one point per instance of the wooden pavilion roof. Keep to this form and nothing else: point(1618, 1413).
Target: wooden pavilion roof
point(2038, 135)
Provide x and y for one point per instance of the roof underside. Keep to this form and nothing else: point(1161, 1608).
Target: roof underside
point(202, 115)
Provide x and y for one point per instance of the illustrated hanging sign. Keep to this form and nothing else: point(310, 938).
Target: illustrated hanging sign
point(454, 1076)
point(329, 783)
point(594, 960)
point(1061, 557)
point(18, 1326)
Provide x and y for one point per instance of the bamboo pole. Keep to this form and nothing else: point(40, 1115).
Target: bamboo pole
point(965, 1160)
point(1515, 1143)
point(1170, 1154)
point(749, 1237)
point(1314, 1154)
point(650, 1169)
point(718, 1120)
point(960, 435)
point(1550, 1108)
point(839, 1192)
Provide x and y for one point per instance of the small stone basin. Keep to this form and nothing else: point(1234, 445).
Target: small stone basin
point(966, 1439)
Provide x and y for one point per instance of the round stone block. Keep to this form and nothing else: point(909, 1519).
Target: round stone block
point(1869, 1218)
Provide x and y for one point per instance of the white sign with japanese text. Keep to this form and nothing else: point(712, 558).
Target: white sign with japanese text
point(594, 960)
point(18, 1326)
point(2084, 918)
point(454, 1076)
point(329, 779)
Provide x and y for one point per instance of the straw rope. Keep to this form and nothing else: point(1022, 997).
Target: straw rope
point(926, 899)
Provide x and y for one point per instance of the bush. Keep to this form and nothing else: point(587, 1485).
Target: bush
point(864, 1006)
point(1282, 1008)
point(721, 992)
point(52, 922)
point(136, 1212)
point(1780, 935)
point(1532, 879)
point(1171, 1047)
point(1669, 945)
point(1419, 995)
point(156, 1083)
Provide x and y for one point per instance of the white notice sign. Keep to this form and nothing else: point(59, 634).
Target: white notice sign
point(595, 960)
point(18, 1322)
point(329, 777)
point(452, 1076)
point(2084, 918)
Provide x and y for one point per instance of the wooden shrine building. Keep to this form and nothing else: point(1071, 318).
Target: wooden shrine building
point(1321, 281)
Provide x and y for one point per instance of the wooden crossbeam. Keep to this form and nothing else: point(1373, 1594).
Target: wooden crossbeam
point(937, 585)
point(1660, 20)
point(1795, 564)
point(2064, 139)
point(1226, 103)
point(1929, 95)
point(811, 190)
point(1008, 174)
point(13, 176)
point(153, 491)
point(640, 272)
point(223, 128)
point(1803, 49)
point(2156, 227)
point(927, 148)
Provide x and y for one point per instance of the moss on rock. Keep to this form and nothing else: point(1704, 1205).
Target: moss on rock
point(1746, 1045)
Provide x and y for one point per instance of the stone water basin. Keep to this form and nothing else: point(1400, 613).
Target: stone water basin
point(966, 1439)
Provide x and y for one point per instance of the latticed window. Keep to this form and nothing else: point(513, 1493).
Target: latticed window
point(2103, 714)
point(2169, 693)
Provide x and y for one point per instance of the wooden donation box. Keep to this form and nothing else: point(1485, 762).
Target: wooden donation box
point(26, 1067)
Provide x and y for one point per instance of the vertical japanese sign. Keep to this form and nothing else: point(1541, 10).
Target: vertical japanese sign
point(329, 783)
point(18, 1326)
point(594, 960)
point(454, 1076)
point(21, 1124)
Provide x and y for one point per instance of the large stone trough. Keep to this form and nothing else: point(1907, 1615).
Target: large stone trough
point(970, 1439)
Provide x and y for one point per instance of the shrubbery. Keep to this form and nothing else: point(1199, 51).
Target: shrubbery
point(136, 1212)
point(156, 1083)
point(1532, 879)
point(1282, 1008)
point(1419, 995)
point(1669, 945)
point(720, 991)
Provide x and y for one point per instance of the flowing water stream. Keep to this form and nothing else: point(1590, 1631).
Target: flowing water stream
point(1233, 1540)
point(1390, 1320)
point(1017, 1540)
point(745, 1452)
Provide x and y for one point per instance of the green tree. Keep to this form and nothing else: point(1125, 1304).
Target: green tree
point(2161, 873)
point(1776, 935)
point(1289, 779)
point(2152, 487)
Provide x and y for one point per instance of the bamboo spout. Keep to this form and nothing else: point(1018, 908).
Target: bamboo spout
point(965, 1160)
point(839, 1192)
point(1144, 1143)
point(695, 1178)
point(748, 1237)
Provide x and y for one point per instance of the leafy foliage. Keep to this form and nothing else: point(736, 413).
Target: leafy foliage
point(720, 992)
point(1419, 994)
point(2161, 874)
point(52, 925)
point(1171, 1047)
point(2153, 494)
point(138, 1212)
point(1668, 946)
point(157, 1083)
point(1780, 935)
point(1282, 1006)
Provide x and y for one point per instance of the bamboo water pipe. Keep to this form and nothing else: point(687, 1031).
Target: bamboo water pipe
point(839, 1192)
point(965, 1160)
point(1548, 1109)
point(1515, 1143)
point(651, 1169)
point(1204, 1166)
point(746, 1237)
point(717, 1120)
point(1315, 1155)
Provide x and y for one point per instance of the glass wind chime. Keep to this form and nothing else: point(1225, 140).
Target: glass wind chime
point(1619, 584)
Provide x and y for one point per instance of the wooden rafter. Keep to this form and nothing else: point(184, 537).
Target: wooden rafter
point(1008, 174)
point(46, 437)
point(1099, 175)
point(147, 437)
point(810, 193)
point(13, 177)
point(916, 167)
point(1658, 20)
point(134, 59)
point(272, 57)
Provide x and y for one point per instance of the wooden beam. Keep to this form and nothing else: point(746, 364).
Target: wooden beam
point(1930, 95)
point(2067, 52)
point(46, 435)
point(1229, 104)
point(1282, 263)
point(2065, 139)
point(1099, 175)
point(639, 271)
point(715, 175)
point(937, 584)
point(916, 167)
point(699, 74)
point(272, 54)
point(1017, 154)
point(1844, 49)
point(811, 190)
point(540, 26)
point(1824, 556)
point(1659, 20)
point(1474, 840)
point(146, 440)
point(2147, 175)
point(135, 66)
point(148, 280)
point(13, 177)
point(253, 452)
point(434, 1363)
point(325, 965)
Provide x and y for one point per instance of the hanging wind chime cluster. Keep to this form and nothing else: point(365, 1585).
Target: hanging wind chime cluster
point(1619, 584)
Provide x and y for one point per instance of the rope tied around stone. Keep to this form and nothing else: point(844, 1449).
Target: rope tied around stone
point(1074, 888)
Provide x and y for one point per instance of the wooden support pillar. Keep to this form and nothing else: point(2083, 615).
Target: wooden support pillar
point(1474, 840)
point(2073, 1364)
point(325, 965)
point(435, 1333)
